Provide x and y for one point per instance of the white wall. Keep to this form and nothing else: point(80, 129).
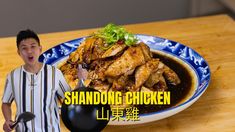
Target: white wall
point(61, 15)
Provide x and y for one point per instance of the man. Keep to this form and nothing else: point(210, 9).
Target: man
point(35, 87)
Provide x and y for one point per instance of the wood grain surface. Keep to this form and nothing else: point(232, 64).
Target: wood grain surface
point(213, 37)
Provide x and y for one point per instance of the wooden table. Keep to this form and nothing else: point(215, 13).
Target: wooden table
point(213, 37)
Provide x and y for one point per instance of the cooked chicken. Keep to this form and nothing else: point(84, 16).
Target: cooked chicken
point(97, 49)
point(89, 50)
point(119, 67)
point(104, 87)
point(153, 79)
point(161, 85)
point(114, 50)
point(120, 83)
point(115, 61)
point(171, 76)
point(143, 72)
point(97, 69)
point(70, 73)
point(130, 59)
point(146, 51)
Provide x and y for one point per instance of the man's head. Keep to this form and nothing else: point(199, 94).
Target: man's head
point(25, 34)
point(28, 45)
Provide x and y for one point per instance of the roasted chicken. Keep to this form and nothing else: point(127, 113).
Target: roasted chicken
point(119, 67)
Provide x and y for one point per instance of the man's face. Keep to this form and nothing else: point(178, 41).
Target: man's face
point(29, 50)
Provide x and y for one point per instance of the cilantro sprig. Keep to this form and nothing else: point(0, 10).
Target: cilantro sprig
point(112, 33)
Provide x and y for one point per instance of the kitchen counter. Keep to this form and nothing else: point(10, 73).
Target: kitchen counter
point(213, 37)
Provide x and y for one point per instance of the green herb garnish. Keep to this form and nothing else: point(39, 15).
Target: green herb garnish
point(113, 33)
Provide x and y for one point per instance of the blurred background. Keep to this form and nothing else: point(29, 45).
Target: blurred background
point(47, 16)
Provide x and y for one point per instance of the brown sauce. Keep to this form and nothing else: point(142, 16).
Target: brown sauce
point(178, 92)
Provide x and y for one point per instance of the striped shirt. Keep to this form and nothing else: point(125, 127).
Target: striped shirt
point(36, 93)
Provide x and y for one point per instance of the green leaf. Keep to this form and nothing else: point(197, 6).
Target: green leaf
point(112, 33)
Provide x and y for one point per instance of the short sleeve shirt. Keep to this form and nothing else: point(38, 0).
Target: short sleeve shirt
point(36, 93)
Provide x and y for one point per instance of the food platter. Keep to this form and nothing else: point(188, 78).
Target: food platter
point(195, 63)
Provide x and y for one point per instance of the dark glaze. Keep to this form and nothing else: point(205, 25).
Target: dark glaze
point(178, 92)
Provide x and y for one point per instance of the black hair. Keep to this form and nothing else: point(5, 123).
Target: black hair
point(25, 34)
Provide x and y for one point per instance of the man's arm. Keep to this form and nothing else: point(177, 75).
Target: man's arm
point(6, 110)
point(63, 85)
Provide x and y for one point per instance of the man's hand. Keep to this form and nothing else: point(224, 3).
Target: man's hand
point(6, 110)
point(6, 126)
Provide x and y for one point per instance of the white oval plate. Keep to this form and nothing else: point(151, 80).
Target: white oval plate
point(196, 64)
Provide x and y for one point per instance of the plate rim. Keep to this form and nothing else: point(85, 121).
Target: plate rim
point(192, 99)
